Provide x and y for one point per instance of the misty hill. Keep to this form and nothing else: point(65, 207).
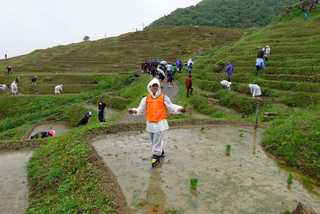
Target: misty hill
point(226, 13)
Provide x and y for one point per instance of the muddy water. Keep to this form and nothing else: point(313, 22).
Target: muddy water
point(60, 128)
point(13, 182)
point(245, 182)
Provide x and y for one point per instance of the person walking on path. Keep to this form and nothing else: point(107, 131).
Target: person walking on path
point(189, 85)
point(179, 65)
point(101, 106)
point(156, 105)
point(190, 65)
point(169, 75)
point(229, 71)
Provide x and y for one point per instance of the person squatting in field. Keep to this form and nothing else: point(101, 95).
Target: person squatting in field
point(44, 134)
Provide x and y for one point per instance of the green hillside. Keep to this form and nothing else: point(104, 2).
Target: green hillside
point(226, 13)
point(66, 176)
point(124, 53)
point(290, 85)
point(82, 65)
point(94, 68)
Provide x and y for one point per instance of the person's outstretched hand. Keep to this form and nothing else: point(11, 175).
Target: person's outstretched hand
point(132, 111)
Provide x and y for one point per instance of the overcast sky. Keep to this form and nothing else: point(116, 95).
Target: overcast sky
point(26, 25)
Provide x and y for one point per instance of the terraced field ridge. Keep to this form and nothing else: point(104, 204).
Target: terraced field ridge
point(81, 66)
point(291, 77)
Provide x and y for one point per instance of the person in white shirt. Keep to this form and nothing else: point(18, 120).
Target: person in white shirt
point(267, 52)
point(58, 89)
point(255, 90)
point(14, 88)
point(226, 84)
point(190, 65)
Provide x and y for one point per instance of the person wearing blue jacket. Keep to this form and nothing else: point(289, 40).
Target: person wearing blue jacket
point(260, 65)
point(229, 71)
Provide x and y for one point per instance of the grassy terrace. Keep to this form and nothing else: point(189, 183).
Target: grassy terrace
point(64, 173)
point(123, 53)
point(290, 80)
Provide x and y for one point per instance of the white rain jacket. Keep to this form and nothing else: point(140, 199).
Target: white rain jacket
point(255, 90)
point(58, 89)
point(172, 108)
point(225, 83)
point(14, 88)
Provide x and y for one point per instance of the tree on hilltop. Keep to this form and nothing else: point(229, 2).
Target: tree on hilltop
point(86, 38)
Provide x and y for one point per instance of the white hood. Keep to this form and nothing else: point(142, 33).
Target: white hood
point(153, 81)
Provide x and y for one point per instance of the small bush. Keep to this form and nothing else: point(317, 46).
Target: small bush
point(301, 99)
point(201, 105)
point(295, 140)
point(242, 104)
point(208, 85)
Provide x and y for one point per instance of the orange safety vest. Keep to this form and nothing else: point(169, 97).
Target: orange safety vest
point(156, 109)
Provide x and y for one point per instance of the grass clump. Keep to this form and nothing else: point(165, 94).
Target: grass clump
point(242, 104)
point(295, 140)
point(62, 179)
point(228, 150)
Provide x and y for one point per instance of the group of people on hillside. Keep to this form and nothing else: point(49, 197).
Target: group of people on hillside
point(83, 121)
point(263, 55)
point(164, 70)
point(58, 89)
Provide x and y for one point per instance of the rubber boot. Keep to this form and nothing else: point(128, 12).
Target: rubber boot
point(155, 161)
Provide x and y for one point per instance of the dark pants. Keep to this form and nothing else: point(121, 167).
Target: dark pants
point(189, 91)
point(229, 78)
point(258, 69)
point(101, 116)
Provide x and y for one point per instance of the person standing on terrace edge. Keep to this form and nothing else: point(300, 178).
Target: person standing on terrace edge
point(156, 105)
point(229, 71)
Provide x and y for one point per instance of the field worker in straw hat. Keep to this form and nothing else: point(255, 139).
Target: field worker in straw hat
point(156, 105)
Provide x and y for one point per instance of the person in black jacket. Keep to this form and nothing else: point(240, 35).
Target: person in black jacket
point(85, 118)
point(101, 107)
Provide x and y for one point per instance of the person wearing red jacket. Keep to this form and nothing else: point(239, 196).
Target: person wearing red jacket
point(189, 85)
